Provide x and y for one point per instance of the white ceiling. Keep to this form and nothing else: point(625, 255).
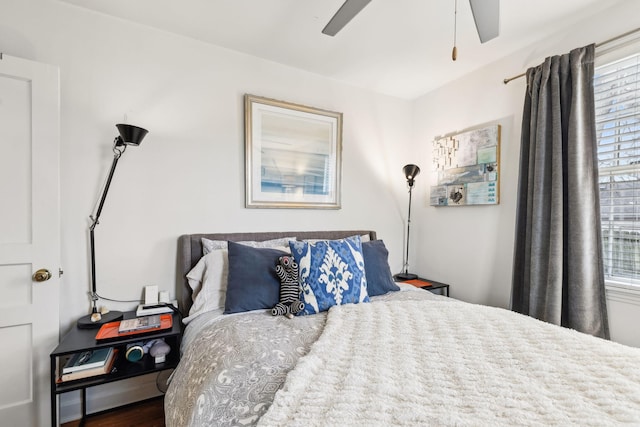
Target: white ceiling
point(396, 47)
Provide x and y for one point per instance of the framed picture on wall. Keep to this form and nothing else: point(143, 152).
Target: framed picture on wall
point(292, 155)
point(467, 168)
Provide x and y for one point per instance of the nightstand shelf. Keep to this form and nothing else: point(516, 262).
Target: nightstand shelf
point(78, 340)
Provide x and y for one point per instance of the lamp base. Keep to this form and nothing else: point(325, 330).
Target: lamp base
point(85, 321)
point(403, 277)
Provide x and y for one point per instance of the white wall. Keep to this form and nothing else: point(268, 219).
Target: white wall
point(472, 247)
point(188, 174)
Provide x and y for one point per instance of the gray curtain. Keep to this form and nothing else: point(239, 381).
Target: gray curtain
point(558, 274)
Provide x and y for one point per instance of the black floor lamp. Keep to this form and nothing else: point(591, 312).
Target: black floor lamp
point(129, 135)
point(410, 172)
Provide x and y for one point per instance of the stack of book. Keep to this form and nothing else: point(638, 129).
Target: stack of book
point(89, 363)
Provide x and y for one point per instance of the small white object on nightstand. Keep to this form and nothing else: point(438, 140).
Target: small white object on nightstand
point(150, 295)
point(164, 296)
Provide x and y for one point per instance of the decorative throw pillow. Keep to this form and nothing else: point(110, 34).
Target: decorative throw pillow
point(331, 273)
point(253, 283)
point(376, 263)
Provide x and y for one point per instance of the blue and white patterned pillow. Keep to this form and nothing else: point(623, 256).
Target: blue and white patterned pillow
point(331, 273)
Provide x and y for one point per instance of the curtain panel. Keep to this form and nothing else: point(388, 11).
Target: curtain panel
point(558, 274)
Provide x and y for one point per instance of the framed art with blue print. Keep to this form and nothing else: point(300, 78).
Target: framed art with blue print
point(292, 155)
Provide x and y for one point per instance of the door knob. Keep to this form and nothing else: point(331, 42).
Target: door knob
point(42, 275)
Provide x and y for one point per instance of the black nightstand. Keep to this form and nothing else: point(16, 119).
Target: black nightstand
point(78, 340)
point(430, 285)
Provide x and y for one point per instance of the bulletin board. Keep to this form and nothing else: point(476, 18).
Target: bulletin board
point(466, 168)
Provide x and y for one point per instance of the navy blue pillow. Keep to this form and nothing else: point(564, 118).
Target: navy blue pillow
point(253, 283)
point(376, 264)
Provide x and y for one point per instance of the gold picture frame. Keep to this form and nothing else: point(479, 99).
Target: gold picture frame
point(293, 155)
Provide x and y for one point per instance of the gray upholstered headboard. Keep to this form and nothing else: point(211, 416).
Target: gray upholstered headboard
point(190, 251)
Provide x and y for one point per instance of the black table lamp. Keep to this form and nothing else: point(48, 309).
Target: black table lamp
point(410, 172)
point(129, 135)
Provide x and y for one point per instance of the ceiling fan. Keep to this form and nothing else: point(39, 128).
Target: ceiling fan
point(486, 14)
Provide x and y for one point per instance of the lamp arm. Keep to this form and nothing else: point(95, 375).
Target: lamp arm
point(117, 152)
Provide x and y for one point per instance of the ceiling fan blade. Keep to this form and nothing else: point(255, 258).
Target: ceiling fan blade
point(347, 11)
point(486, 14)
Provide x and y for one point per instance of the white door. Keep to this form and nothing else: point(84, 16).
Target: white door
point(29, 238)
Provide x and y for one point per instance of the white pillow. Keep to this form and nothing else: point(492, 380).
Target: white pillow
point(211, 245)
point(208, 282)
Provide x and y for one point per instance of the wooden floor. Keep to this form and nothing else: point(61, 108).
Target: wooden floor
point(149, 413)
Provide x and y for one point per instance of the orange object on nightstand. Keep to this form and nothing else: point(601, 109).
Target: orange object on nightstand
point(418, 283)
point(110, 330)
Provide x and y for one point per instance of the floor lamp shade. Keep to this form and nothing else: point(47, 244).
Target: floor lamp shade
point(129, 135)
point(410, 173)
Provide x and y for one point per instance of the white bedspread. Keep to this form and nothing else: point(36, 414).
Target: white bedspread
point(444, 363)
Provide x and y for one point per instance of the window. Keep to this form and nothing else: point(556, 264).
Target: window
point(617, 95)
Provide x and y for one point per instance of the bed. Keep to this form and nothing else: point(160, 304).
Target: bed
point(395, 356)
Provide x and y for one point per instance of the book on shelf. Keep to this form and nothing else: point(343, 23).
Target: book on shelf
point(139, 324)
point(92, 372)
point(149, 309)
point(87, 360)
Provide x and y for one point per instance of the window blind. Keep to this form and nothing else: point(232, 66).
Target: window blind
point(617, 93)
